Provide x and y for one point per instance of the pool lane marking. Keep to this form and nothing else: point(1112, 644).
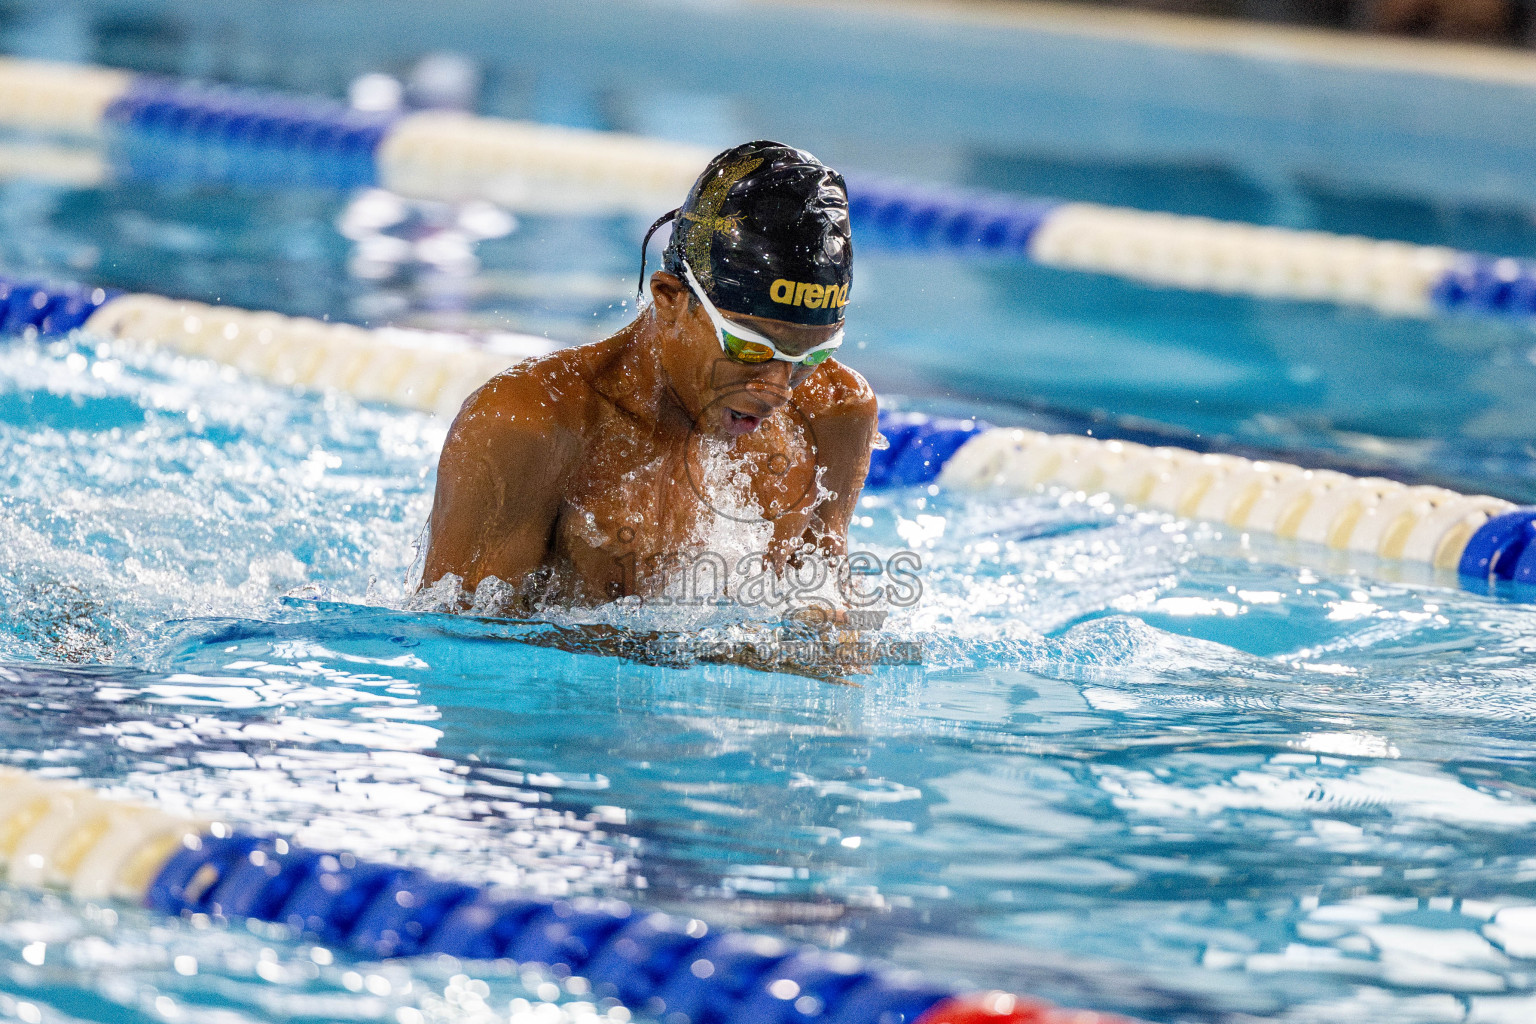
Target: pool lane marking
point(434, 372)
point(186, 131)
point(427, 371)
point(1369, 515)
point(62, 835)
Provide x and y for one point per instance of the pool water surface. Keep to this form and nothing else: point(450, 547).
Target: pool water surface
point(1124, 760)
point(1142, 764)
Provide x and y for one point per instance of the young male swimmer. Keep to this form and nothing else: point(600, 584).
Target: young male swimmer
point(579, 477)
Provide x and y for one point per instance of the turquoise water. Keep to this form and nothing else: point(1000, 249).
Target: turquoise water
point(1142, 764)
point(903, 95)
point(1446, 401)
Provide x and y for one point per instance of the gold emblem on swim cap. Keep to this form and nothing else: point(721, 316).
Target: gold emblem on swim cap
point(724, 225)
point(706, 214)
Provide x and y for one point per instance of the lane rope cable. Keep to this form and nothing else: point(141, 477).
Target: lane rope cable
point(1486, 540)
point(158, 129)
point(64, 836)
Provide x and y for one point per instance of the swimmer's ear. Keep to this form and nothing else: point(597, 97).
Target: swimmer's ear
point(670, 294)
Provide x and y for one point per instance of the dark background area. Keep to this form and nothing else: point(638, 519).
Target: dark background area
point(1507, 22)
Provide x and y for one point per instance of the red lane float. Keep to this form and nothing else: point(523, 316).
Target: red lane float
point(1005, 1008)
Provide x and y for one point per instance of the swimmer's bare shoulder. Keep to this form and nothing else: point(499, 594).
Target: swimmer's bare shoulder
point(503, 468)
point(838, 390)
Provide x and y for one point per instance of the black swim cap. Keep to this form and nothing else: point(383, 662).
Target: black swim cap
point(765, 231)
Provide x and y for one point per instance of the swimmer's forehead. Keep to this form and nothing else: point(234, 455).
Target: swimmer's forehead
point(792, 339)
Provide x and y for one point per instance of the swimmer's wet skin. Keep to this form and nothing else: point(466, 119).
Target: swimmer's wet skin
point(578, 477)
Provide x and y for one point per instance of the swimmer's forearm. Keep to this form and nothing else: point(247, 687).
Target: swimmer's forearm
point(844, 443)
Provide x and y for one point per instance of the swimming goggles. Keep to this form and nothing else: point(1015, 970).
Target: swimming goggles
point(747, 346)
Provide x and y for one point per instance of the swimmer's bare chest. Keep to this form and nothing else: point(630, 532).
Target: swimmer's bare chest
point(640, 500)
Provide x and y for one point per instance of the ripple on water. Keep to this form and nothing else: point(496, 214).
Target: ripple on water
point(1141, 763)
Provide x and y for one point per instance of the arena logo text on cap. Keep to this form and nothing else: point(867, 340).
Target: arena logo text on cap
point(812, 296)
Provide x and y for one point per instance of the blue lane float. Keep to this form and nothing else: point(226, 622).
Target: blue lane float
point(1501, 550)
point(917, 447)
point(671, 968)
point(182, 131)
point(47, 309)
point(1488, 285)
point(1485, 539)
point(901, 215)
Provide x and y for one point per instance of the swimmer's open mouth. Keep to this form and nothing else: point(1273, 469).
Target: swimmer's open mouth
point(740, 423)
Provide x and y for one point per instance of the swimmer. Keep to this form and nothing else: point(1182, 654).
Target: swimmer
point(581, 476)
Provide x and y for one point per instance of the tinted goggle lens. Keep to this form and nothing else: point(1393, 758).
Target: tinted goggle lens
point(756, 352)
point(747, 351)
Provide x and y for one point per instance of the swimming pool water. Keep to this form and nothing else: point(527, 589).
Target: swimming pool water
point(1444, 401)
point(1143, 764)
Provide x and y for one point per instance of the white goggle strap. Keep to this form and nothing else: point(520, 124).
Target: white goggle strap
point(724, 327)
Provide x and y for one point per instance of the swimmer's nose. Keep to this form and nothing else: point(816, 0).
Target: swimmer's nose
point(773, 394)
point(760, 402)
point(773, 375)
point(761, 391)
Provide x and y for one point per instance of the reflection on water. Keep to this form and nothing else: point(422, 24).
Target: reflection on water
point(1140, 764)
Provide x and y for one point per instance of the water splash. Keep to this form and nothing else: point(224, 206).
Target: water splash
point(1139, 762)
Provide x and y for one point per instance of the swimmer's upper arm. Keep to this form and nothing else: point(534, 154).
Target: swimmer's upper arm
point(499, 484)
point(845, 433)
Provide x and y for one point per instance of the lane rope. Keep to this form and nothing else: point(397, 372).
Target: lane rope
point(428, 371)
point(187, 131)
point(65, 836)
point(1486, 540)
